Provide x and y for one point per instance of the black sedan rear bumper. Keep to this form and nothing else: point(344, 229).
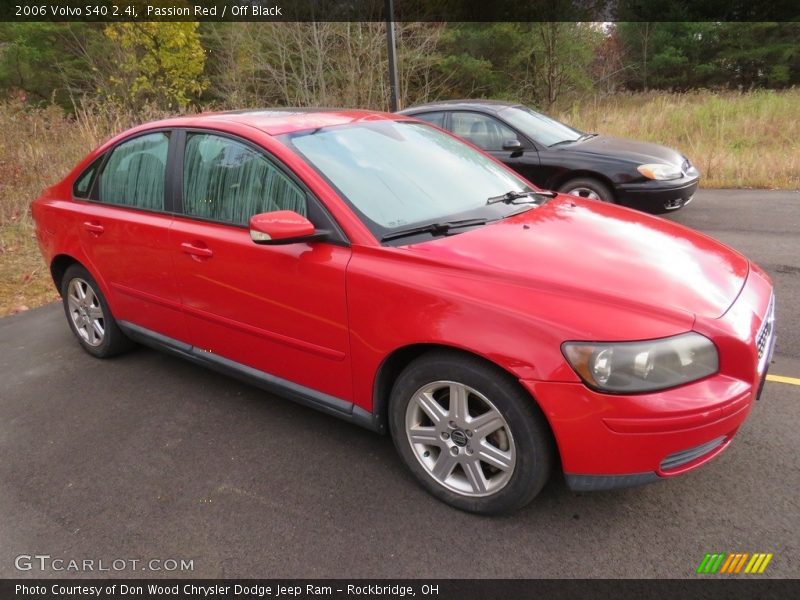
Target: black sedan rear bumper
point(658, 196)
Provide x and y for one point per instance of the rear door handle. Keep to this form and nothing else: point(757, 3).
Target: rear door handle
point(194, 250)
point(93, 227)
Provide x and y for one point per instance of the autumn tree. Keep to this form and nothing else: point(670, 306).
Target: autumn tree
point(158, 63)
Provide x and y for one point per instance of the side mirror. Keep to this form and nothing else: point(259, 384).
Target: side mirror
point(282, 227)
point(512, 145)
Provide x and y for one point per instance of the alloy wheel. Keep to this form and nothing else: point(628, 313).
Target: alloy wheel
point(460, 438)
point(86, 312)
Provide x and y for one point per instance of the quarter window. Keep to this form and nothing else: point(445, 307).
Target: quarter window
point(485, 132)
point(224, 180)
point(134, 173)
point(434, 118)
point(83, 184)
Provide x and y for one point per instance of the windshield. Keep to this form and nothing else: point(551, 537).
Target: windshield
point(540, 128)
point(397, 174)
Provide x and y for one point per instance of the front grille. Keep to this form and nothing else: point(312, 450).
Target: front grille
point(683, 457)
point(765, 334)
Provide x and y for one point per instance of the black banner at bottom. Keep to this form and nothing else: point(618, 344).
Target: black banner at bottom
point(438, 589)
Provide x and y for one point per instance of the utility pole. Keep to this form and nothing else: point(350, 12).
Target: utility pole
point(392, 52)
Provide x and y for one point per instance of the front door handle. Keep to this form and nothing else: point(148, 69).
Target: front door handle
point(195, 250)
point(93, 227)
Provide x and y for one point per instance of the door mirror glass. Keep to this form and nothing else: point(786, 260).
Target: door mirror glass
point(281, 227)
point(512, 145)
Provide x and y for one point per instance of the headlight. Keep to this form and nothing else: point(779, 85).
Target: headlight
point(632, 367)
point(660, 171)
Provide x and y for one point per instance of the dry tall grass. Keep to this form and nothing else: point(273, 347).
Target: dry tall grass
point(37, 148)
point(737, 140)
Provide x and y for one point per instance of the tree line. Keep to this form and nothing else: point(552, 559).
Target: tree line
point(179, 66)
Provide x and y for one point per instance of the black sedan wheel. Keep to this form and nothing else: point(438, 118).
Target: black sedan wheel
point(589, 188)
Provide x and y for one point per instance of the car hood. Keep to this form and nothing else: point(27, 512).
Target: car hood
point(596, 250)
point(636, 152)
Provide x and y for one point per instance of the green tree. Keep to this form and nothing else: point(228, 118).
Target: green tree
point(682, 55)
point(40, 60)
point(538, 63)
point(759, 54)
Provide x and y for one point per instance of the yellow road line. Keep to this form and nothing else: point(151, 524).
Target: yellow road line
point(782, 379)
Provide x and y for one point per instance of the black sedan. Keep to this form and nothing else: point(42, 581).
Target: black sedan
point(555, 156)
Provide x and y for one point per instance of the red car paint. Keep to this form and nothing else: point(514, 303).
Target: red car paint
point(330, 317)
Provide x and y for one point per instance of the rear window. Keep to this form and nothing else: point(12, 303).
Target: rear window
point(135, 171)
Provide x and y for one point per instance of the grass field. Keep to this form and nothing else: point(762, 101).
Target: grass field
point(749, 140)
point(38, 147)
point(736, 140)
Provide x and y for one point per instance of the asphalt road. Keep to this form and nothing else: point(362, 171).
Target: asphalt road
point(147, 456)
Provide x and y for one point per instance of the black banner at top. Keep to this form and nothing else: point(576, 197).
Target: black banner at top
point(401, 10)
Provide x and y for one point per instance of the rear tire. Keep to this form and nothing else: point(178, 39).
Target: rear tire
point(89, 316)
point(588, 188)
point(469, 433)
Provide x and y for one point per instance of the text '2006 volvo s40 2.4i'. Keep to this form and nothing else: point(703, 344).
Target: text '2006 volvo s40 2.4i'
point(381, 270)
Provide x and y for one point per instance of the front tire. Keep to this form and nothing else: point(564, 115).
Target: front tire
point(89, 316)
point(589, 188)
point(469, 434)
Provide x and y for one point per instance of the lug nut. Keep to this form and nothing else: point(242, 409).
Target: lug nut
point(468, 432)
point(469, 450)
point(452, 424)
point(445, 435)
point(454, 450)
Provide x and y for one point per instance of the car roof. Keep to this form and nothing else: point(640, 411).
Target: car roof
point(490, 106)
point(277, 121)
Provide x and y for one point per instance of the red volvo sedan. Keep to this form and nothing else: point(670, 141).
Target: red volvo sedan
point(385, 272)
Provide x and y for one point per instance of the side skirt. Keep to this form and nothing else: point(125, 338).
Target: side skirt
point(276, 385)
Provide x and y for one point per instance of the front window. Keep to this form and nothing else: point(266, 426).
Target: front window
point(484, 131)
point(396, 174)
point(540, 128)
point(225, 180)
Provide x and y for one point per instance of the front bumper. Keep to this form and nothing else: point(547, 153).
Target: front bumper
point(609, 441)
point(658, 196)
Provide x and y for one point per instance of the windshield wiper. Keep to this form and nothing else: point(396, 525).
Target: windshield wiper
point(564, 142)
point(434, 228)
point(513, 195)
point(586, 136)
